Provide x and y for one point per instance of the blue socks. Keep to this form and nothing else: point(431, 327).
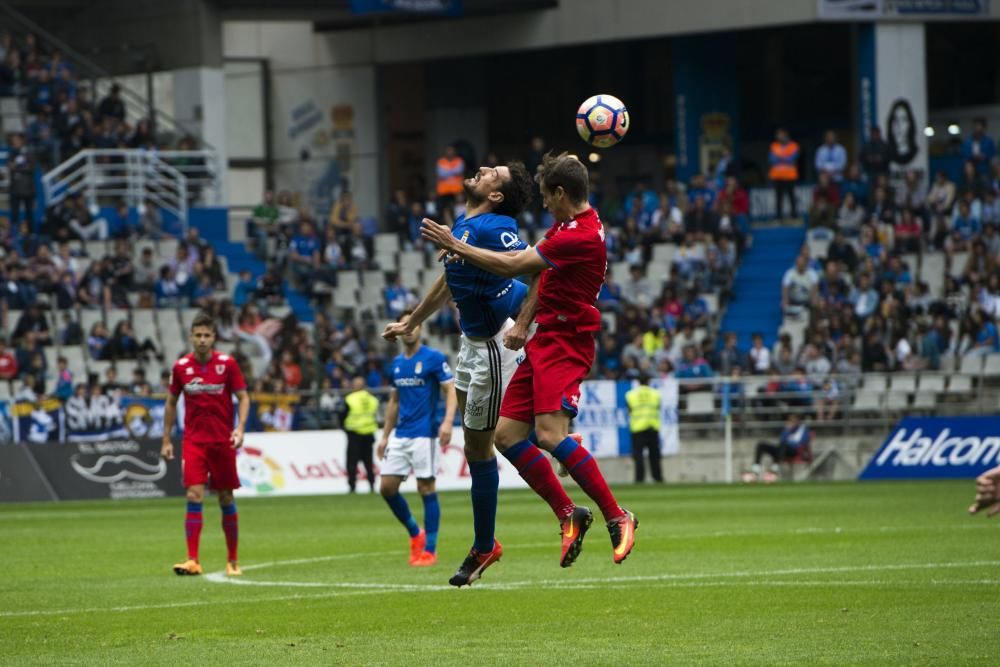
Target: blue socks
point(397, 503)
point(485, 482)
point(432, 519)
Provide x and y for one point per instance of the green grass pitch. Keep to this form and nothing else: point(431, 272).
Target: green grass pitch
point(891, 573)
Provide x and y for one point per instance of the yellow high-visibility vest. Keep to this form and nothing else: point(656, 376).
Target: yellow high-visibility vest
point(644, 408)
point(361, 410)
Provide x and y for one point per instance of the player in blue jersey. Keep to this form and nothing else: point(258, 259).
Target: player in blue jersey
point(419, 375)
point(491, 340)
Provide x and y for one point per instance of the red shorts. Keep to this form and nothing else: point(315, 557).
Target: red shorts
point(209, 463)
point(549, 378)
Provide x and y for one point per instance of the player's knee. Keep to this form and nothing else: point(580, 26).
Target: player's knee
point(225, 498)
point(388, 488)
point(425, 487)
point(505, 439)
point(548, 438)
point(478, 445)
point(195, 495)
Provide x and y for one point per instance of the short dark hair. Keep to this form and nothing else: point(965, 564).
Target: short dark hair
point(566, 172)
point(516, 192)
point(408, 311)
point(203, 319)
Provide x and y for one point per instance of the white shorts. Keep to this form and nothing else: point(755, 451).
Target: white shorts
point(410, 455)
point(483, 371)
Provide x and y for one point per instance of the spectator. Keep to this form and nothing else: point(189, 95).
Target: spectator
point(33, 321)
point(610, 296)
point(817, 366)
point(842, 251)
point(759, 356)
point(644, 424)
point(291, 372)
point(693, 367)
point(729, 357)
point(398, 298)
point(696, 309)
point(851, 215)
point(798, 287)
point(979, 148)
point(638, 289)
point(243, 293)
point(97, 342)
point(790, 444)
point(874, 355)
point(691, 261)
point(112, 106)
point(823, 211)
point(964, 226)
point(72, 332)
point(64, 380)
point(8, 363)
point(303, 255)
point(21, 164)
point(145, 272)
point(941, 196)
point(450, 178)
point(700, 221)
point(831, 158)
point(854, 183)
point(864, 299)
point(397, 219)
point(784, 172)
point(982, 334)
point(167, 291)
point(908, 233)
point(875, 155)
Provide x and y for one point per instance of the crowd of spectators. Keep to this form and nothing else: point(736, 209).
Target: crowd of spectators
point(910, 276)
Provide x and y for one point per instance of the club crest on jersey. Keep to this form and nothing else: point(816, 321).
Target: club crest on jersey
point(190, 371)
point(419, 367)
point(508, 239)
point(220, 368)
point(465, 237)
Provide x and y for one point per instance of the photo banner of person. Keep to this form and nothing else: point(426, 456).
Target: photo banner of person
point(41, 421)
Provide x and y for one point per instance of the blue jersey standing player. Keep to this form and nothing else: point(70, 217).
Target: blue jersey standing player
point(491, 338)
point(419, 375)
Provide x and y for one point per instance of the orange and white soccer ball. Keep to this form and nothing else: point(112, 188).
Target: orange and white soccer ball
point(602, 121)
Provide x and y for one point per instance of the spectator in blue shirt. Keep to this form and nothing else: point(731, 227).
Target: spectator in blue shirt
point(790, 444)
point(397, 297)
point(979, 147)
point(245, 286)
point(965, 225)
point(610, 296)
point(695, 309)
point(831, 158)
point(693, 367)
point(853, 182)
point(303, 254)
point(983, 332)
point(697, 187)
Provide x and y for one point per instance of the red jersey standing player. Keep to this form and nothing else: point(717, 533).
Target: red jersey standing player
point(571, 262)
point(208, 380)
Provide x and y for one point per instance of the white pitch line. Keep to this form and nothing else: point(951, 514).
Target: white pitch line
point(581, 585)
point(603, 582)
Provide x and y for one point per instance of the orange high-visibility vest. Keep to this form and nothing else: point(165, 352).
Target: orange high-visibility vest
point(449, 174)
point(782, 171)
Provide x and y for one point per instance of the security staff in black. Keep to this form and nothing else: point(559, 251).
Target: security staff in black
point(360, 425)
point(644, 423)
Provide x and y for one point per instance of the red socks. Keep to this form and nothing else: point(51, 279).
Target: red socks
point(536, 470)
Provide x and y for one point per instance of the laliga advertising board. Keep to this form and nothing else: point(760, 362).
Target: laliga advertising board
point(937, 448)
point(314, 462)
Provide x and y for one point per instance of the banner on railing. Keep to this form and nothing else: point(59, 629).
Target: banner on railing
point(41, 421)
point(603, 419)
point(937, 448)
point(315, 462)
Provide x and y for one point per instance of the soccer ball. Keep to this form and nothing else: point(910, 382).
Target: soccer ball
point(602, 121)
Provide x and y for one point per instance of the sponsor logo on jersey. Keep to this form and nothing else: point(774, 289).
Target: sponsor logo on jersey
point(199, 386)
point(409, 382)
point(474, 408)
point(509, 239)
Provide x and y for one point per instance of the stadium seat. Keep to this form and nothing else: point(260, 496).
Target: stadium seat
point(144, 322)
point(411, 259)
point(959, 384)
point(410, 278)
point(166, 249)
point(664, 252)
point(904, 383)
point(386, 243)
point(897, 401)
point(867, 400)
point(89, 317)
point(992, 365)
point(345, 297)
point(958, 262)
point(187, 316)
point(972, 364)
point(924, 400)
point(76, 362)
point(620, 272)
point(386, 260)
point(932, 383)
point(125, 368)
point(373, 279)
point(700, 403)
point(348, 279)
point(5, 393)
point(712, 301)
point(875, 382)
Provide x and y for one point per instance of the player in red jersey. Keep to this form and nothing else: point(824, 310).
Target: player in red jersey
point(208, 380)
point(571, 262)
